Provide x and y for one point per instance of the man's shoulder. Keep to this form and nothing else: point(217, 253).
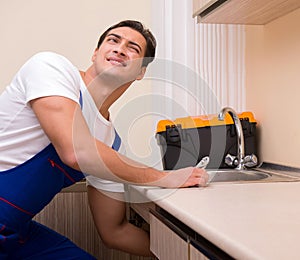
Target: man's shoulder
point(49, 61)
point(50, 56)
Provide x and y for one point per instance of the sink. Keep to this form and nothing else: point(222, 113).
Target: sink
point(236, 175)
point(240, 176)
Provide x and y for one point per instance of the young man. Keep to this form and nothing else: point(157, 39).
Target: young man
point(55, 127)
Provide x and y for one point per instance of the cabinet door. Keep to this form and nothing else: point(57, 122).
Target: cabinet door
point(242, 11)
point(69, 215)
point(165, 243)
point(196, 254)
point(200, 5)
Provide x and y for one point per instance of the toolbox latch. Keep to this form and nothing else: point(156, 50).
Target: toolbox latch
point(173, 133)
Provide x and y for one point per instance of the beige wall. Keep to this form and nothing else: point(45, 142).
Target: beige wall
point(273, 87)
point(71, 28)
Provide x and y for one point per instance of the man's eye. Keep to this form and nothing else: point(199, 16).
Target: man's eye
point(112, 40)
point(134, 49)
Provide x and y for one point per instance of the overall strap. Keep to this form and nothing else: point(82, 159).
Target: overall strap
point(117, 142)
point(80, 99)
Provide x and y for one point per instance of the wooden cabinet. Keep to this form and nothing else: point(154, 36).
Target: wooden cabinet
point(69, 214)
point(195, 254)
point(242, 11)
point(201, 5)
point(165, 243)
point(170, 239)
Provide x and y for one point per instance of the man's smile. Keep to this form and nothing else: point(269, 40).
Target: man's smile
point(117, 61)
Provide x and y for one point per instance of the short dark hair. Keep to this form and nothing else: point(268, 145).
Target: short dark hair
point(139, 27)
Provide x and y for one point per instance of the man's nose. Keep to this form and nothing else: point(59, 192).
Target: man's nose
point(120, 49)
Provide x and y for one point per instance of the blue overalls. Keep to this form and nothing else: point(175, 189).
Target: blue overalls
point(24, 191)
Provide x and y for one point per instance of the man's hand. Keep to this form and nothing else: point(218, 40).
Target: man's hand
point(198, 177)
point(181, 178)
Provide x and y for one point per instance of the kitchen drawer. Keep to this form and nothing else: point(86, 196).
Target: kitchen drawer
point(165, 243)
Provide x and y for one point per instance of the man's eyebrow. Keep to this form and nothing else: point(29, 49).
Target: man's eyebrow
point(131, 42)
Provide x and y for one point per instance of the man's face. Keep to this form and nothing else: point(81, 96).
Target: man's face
point(119, 57)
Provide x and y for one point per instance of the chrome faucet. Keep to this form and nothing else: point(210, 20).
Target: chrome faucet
point(240, 135)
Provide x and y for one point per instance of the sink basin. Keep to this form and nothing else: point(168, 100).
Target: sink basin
point(257, 175)
point(235, 175)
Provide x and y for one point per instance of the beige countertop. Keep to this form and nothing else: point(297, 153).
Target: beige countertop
point(248, 221)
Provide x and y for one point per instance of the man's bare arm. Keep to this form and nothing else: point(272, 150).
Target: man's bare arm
point(63, 122)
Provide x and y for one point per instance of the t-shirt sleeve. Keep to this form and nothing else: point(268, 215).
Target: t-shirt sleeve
point(49, 74)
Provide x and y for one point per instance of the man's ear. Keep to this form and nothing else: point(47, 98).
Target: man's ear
point(94, 55)
point(142, 73)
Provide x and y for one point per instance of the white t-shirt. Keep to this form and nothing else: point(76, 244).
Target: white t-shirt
point(21, 136)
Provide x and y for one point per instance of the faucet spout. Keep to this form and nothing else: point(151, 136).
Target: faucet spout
point(240, 135)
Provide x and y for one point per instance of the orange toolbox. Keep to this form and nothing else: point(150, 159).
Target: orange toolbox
point(185, 141)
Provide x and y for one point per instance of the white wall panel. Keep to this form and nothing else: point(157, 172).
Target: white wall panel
point(215, 54)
